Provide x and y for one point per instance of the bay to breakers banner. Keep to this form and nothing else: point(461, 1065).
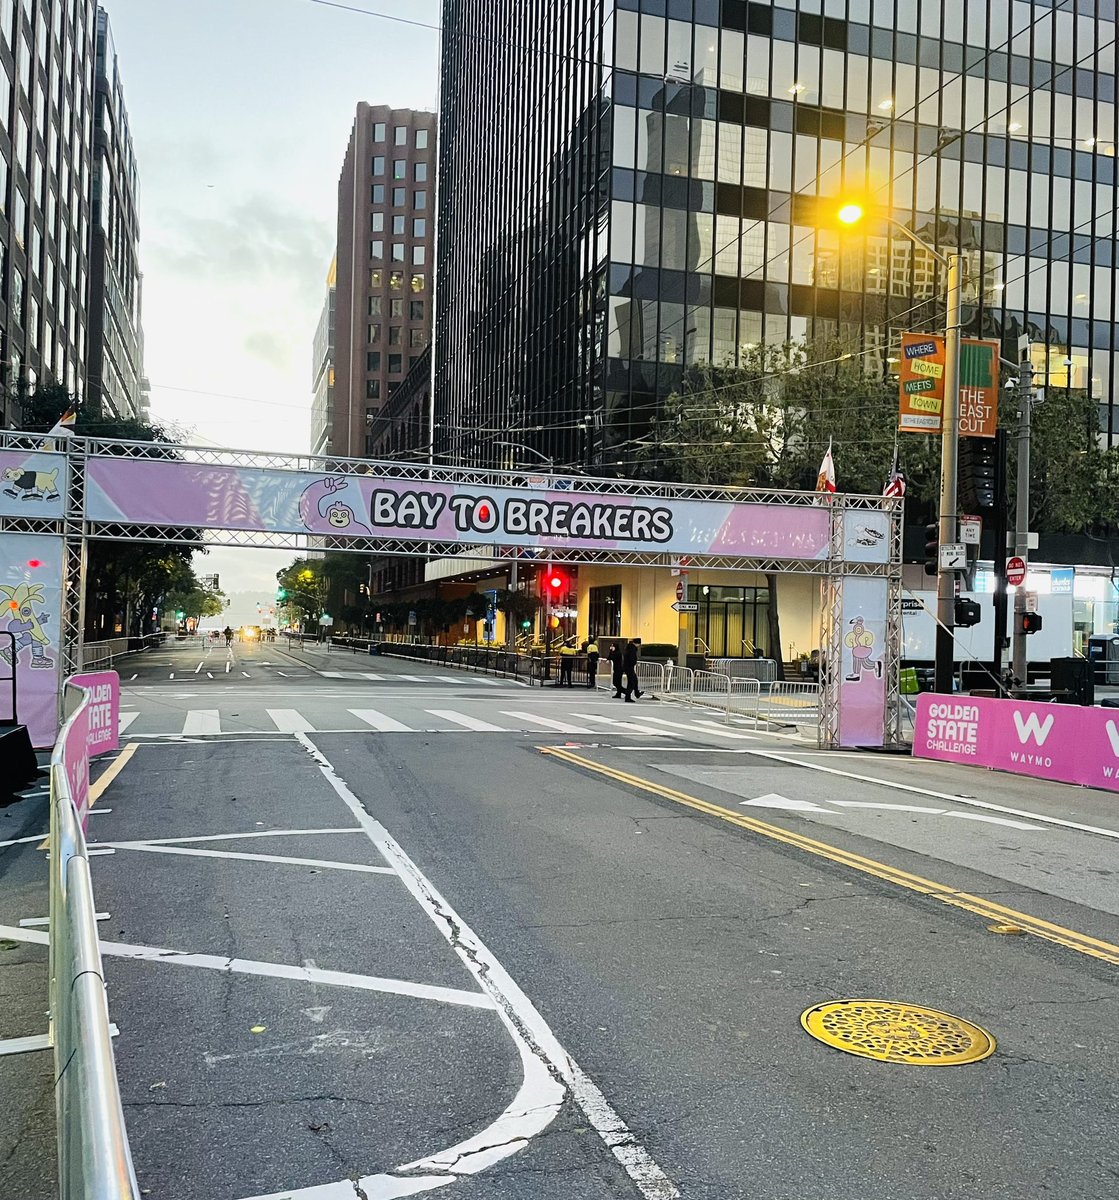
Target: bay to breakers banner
point(32, 483)
point(190, 495)
point(1064, 742)
point(30, 610)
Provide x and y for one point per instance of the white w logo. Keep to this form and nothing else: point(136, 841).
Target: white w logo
point(1032, 727)
point(1113, 737)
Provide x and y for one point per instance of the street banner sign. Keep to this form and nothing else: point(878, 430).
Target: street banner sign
point(686, 606)
point(979, 388)
point(1015, 571)
point(921, 383)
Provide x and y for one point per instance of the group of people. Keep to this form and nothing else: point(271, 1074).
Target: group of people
point(623, 664)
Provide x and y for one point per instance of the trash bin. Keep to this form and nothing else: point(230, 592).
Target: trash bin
point(1074, 677)
point(374, 650)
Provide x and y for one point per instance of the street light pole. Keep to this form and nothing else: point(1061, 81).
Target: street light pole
point(949, 471)
point(1019, 664)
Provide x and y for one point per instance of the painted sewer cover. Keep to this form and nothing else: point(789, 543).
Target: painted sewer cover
point(902, 1033)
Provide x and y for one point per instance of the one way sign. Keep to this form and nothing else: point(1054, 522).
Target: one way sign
point(683, 606)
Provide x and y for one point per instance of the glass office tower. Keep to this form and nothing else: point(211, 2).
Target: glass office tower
point(633, 186)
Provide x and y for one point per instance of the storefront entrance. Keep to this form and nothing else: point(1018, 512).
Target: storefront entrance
point(733, 622)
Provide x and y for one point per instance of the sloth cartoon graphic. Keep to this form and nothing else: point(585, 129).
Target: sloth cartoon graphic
point(861, 643)
point(19, 614)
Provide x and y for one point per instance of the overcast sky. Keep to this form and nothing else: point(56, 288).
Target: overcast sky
point(240, 113)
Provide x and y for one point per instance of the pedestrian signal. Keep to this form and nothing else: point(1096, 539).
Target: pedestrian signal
point(1031, 622)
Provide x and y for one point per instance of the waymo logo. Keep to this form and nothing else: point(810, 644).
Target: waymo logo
point(1113, 738)
point(1030, 726)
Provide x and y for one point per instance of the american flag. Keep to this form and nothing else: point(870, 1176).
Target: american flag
point(895, 485)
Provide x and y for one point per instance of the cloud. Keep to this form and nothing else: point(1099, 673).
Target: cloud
point(255, 242)
point(270, 347)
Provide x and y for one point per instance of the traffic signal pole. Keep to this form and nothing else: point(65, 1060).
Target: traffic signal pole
point(949, 469)
point(1022, 519)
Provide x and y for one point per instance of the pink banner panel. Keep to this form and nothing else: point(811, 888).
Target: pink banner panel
point(75, 762)
point(1064, 742)
point(104, 710)
point(31, 611)
point(153, 492)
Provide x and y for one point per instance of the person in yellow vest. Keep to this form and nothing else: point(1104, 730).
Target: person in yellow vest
point(567, 661)
point(590, 649)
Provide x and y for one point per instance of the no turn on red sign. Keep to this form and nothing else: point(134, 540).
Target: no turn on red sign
point(1015, 571)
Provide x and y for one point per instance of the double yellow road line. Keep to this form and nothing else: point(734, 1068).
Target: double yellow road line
point(987, 909)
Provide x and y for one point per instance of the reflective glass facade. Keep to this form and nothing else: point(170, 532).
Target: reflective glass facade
point(653, 183)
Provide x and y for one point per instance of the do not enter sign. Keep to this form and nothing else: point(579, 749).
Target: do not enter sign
point(1015, 571)
point(680, 590)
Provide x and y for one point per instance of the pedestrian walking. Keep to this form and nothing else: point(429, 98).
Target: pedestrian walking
point(567, 661)
point(614, 657)
point(629, 663)
point(590, 649)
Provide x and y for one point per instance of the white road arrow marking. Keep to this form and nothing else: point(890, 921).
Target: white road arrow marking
point(773, 800)
point(909, 808)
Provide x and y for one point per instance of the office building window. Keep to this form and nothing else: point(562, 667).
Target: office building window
point(419, 227)
point(400, 168)
point(421, 139)
point(378, 165)
point(419, 283)
point(417, 310)
point(420, 200)
point(378, 193)
point(397, 308)
point(375, 279)
point(373, 360)
point(374, 334)
point(17, 297)
point(376, 249)
point(399, 197)
point(396, 364)
point(375, 306)
point(402, 135)
point(396, 281)
point(377, 222)
point(398, 252)
point(394, 335)
point(419, 255)
point(421, 172)
point(398, 226)
point(19, 219)
point(417, 337)
point(379, 132)
point(372, 389)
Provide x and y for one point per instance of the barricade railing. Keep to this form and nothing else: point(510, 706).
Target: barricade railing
point(711, 689)
point(99, 656)
point(677, 680)
point(651, 677)
point(762, 669)
point(94, 1160)
point(745, 699)
point(790, 704)
point(484, 660)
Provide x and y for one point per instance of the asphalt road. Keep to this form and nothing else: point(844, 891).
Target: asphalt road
point(376, 926)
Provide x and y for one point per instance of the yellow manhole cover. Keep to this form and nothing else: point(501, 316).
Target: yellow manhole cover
point(901, 1033)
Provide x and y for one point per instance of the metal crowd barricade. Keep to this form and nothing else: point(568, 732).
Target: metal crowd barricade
point(762, 669)
point(711, 689)
point(94, 1160)
point(650, 677)
point(678, 680)
point(745, 699)
point(791, 704)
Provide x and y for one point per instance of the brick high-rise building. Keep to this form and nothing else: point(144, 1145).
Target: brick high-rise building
point(386, 232)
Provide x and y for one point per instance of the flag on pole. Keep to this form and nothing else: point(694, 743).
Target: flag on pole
point(64, 427)
point(895, 484)
point(825, 481)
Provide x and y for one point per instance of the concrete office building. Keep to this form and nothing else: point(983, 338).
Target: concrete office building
point(114, 362)
point(386, 202)
point(46, 139)
point(322, 359)
point(651, 184)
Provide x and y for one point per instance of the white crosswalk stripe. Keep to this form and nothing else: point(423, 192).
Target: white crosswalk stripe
point(467, 722)
point(628, 726)
point(202, 720)
point(547, 722)
point(380, 720)
point(370, 676)
point(126, 719)
point(697, 725)
point(289, 720)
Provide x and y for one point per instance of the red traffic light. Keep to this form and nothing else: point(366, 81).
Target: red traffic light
point(555, 582)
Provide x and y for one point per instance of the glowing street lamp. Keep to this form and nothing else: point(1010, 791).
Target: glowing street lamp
point(850, 213)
